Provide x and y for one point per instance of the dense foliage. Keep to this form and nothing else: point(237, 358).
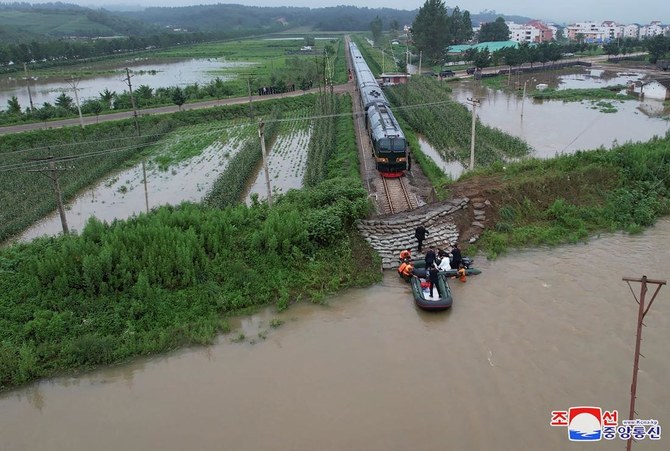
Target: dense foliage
point(168, 278)
point(494, 31)
point(570, 197)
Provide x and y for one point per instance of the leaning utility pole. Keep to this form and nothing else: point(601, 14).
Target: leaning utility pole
point(74, 82)
point(641, 313)
point(261, 135)
point(53, 174)
point(30, 96)
point(132, 101)
point(474, 102)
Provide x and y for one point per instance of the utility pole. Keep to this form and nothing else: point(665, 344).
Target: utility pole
point(641, 313)
point(146, 190)
point(74, 82)
point(30, 96)
point(132, 101)
point(474, 102)
point(53, 174)
point(420, 56)
point(383, 61)
point(261, 135)
point(523, 97)
point(251, 105)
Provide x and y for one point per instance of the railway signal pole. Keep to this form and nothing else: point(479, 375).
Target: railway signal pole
point(641, 313)
point(474, 102)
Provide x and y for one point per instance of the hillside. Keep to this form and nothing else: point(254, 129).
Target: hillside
point(20, 22)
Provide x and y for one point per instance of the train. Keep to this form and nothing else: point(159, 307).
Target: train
point(389, 146)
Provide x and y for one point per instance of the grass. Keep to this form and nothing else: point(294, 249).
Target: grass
point(577, 95)
point(571, 197)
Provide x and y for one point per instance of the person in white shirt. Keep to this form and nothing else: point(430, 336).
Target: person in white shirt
point(445, 264)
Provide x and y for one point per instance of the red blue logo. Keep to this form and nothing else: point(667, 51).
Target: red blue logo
point(585, 424)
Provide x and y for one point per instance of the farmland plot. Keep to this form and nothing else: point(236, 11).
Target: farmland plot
point(287, 160)
point(183, 168)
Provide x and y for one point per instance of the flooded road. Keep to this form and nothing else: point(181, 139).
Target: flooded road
point(537, 331)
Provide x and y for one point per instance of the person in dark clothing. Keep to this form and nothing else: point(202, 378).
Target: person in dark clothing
point(430, 257)
point(455, 257)
point(420, 235)
point(433, 279)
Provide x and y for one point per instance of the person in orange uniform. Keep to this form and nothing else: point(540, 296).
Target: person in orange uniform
point(401, 268)
point(461, 273)
point(406, 254)
point(407, 271)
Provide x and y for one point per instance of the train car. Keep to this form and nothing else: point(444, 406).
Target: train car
point(389, 145)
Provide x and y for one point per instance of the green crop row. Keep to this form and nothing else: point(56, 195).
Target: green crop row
point(426, 105)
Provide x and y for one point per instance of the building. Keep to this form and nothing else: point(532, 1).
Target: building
point(631, 31)
point(393, 78)
point(657, 89)
point(591, 32)
point(655, 28)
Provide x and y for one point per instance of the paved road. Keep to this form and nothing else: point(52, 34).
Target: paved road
point(347, 87)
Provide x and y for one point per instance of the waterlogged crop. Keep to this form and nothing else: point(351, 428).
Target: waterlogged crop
point(427, 106)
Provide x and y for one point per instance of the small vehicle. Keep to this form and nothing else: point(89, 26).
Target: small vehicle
point(447, 73)
point(470, 70)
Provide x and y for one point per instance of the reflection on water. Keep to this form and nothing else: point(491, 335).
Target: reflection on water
point(554, 127)
point(452, 168)
point(154, 73)
point(537, 331)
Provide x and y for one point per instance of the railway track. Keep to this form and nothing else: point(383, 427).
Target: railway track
point(397, 197)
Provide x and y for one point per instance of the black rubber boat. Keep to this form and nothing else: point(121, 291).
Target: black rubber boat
point(441, 300)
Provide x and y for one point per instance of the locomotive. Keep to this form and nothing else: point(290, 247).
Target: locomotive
point(389, 145)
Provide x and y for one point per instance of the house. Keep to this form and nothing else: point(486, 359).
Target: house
point(658, 88)
point(393, 78)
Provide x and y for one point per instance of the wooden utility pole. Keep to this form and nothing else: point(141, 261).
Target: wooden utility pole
point(261, 135)
point(132, 101)
point(74, 82)
point(474, 102)
point(53, 173)
point(251, 105)
point(641, 313)
point(30, 96)
point(146, 190)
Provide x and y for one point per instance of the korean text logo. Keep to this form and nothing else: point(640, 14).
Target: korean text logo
point(591, 424)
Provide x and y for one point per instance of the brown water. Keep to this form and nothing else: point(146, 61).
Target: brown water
point(538, 331)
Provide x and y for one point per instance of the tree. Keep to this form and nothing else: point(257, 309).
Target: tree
point(178, 97)
point(459, 26)
point(376, 28)
point(482, 59)
point(494, 31)
point(64, 101)
point(429, 30)
point(394, 25)
point(107, 96)
point(657, 47)
point(13, 106)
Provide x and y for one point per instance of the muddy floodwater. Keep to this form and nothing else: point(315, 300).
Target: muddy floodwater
point(553, 127)
point(537, 331)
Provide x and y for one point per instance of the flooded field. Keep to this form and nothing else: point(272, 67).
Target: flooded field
point(554, 127)
point(452, 168)
point(172, 178)
point(286, 162)
point(156, 73)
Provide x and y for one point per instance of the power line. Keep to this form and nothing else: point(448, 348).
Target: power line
point(200, 133)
